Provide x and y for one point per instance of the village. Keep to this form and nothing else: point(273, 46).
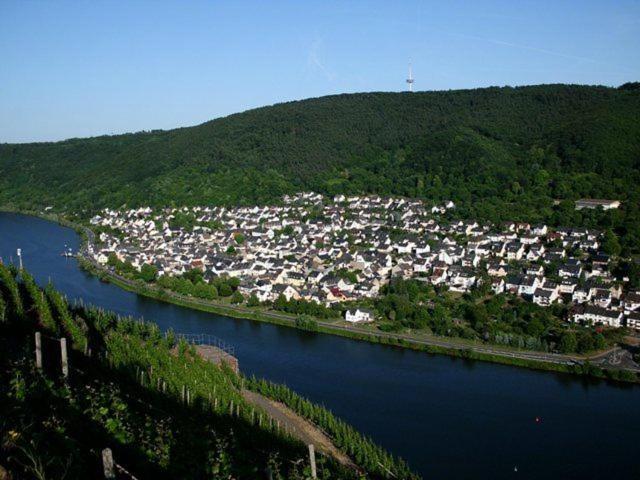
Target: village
point(346, 249)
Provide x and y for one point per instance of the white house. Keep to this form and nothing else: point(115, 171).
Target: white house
point(582, 295)
point(515, 251)
point(596, 315)
point(287, 290)
point(359, 315)
point(545, 298)
point(633, 320)
point(102, 258)
point(632, 302)
point(461, 280)
point(497, 285)
point(528, 285)
point(592, 203)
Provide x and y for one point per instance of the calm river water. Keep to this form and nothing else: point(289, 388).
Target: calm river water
point(449, 418)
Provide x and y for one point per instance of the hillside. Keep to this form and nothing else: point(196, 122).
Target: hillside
point(163, 410)
point(498, 152)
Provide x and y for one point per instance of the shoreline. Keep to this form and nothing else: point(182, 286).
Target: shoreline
point(575, 365)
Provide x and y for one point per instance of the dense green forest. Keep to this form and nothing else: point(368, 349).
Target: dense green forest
point(163, 410)
point(496, 151)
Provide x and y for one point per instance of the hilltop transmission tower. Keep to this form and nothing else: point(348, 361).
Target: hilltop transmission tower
point(410, 79)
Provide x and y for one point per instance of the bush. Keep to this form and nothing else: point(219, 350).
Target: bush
point(225, 290)
point(237, 297)
point(305, 322)
point(253, 301)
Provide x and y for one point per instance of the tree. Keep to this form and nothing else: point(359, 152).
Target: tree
point(347, 275)
point(421, 318)
point(477, 316)
point(628, 269)
point(307, 322)
point(599, 341)
point(610, 243)
point(535, 327)
point(585, 342)
point(280, 303)
point(441, 322)
point(194, 275)
point(127, 267)
point(112, 260)
point(287, 230)
point(225, 290)
point(148, 273)
point(568, 342)
point(253, 301)
point(204, 290)
point(183, 286)
point(181, 220)
point(237, 297)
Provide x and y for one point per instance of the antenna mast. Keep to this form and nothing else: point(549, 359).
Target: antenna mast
point(410, 79)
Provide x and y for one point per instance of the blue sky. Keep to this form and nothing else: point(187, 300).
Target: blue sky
point(84, 68)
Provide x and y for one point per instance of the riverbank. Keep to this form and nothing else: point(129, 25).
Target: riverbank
point(435, 345)
point(430, 344)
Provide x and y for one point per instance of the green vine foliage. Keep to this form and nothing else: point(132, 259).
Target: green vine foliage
point(11, 292)
point(164, 410)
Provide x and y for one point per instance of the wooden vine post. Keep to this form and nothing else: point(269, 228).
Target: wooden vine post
point(64, 358)
point(38, 351)
point(312, 460)
point(108, 464)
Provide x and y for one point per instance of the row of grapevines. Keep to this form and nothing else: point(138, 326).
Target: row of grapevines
point(11, 293)
point(174, 368)
point(362, 450)
point(140, 352)
point(4, 316)
point(39, 307)
point(71, 326)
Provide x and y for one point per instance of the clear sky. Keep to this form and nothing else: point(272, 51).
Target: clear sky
point(83, 68)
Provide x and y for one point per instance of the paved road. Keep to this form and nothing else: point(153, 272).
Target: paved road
point(617, 358)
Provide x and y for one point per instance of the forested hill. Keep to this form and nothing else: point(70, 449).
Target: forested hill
point(498, 152)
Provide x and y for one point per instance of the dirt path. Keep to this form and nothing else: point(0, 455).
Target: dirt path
point(297, 426)
point(300, 428)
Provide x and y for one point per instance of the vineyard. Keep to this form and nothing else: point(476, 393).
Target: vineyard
point(161, 409)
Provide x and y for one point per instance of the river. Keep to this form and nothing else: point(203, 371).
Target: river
point(449, 418)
